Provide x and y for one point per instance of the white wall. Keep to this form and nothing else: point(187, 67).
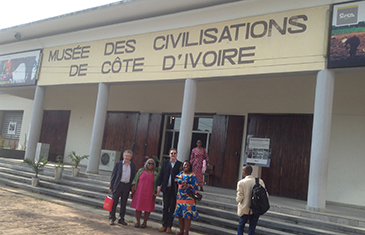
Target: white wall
point(13, 103)
point(147, 97)
point(347, 148)
point(226, 96)
point(81, 101)
point(346, 166)
point(257, 95)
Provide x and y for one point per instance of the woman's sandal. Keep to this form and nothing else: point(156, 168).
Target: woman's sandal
point(143, 226)
point(136, 225)
point(181, 233)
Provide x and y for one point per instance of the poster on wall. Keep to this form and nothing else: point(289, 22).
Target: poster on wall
point(11, 128)
point(19, 69)
point(347, 35)
point(258, 151)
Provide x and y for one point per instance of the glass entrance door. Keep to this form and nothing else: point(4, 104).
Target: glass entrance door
point(202, 129)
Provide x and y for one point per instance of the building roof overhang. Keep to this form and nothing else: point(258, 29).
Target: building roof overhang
point(114, 13)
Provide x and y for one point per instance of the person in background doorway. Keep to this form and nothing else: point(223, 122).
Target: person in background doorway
point(198, 155)
point(243, 197)
point(144, 188)
point(166, 183)
point(120, 185)
point(185, 205)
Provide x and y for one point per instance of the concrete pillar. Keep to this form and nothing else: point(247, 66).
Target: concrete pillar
point(318, 171)
point(98, 128)
point(35, 122)
point(187, 119)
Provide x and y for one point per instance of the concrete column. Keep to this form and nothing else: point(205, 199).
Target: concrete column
point(35, 122)
point(318, 171)
point(187, 119)
point(98, 128)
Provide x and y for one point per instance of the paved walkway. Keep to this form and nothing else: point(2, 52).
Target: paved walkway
point(23, 212)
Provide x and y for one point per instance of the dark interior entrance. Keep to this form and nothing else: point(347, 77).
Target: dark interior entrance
point(225, 149)
point(290, 137)
point(139, 132)
point(54, 132)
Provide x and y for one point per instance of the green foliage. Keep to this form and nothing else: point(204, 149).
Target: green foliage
point(1, 142)
point(59, 164)
point(158, 169)
point(347, 30)
point(37, 166)
point(76, 159)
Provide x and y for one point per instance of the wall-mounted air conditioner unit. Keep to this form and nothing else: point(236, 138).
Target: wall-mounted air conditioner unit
point(108, 158)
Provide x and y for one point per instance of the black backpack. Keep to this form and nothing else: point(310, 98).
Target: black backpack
point(259, 200)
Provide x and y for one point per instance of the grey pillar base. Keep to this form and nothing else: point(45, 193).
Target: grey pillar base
point(309, 208)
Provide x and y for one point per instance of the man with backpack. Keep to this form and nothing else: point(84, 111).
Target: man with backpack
point(245, 195)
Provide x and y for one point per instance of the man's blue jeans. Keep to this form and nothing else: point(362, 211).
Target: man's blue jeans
point(253, 222)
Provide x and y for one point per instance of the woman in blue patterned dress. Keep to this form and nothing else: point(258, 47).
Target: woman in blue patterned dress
point(185, 205)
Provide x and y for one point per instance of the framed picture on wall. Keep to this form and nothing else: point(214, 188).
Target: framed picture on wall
point(258, 151)
point(11, 128)
point(347, 35)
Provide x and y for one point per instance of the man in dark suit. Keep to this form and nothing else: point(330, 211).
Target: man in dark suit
point(120, 185)
point(166, 183)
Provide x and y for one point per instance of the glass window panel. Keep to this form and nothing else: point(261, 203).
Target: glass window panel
point(202, 128)
point(170, 123)
point(173, 123)
point(205, 124)
point(177, 123)
point(168, 141)
point(176, 139)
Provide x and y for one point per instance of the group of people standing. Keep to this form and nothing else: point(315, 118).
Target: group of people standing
point(175, 180)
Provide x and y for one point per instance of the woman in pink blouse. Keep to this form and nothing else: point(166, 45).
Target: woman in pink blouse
point(199, 154)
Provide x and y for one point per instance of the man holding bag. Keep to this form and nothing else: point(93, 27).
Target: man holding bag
point(120, 186)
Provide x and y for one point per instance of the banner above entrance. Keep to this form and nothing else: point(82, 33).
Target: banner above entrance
point(277, 43)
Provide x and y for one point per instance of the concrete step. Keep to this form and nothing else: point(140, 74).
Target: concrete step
point(312, 222)
point(228, 211)
point(217, 212)
point(98, 201)
point(276, 221)
point(65, 180)
point(98, 198)
point(348, 221)
point(49, 170)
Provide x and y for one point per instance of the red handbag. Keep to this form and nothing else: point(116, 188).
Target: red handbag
point(108, 203)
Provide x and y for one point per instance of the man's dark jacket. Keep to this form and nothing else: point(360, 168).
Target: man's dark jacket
point(117, 174)
point(163, 179)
